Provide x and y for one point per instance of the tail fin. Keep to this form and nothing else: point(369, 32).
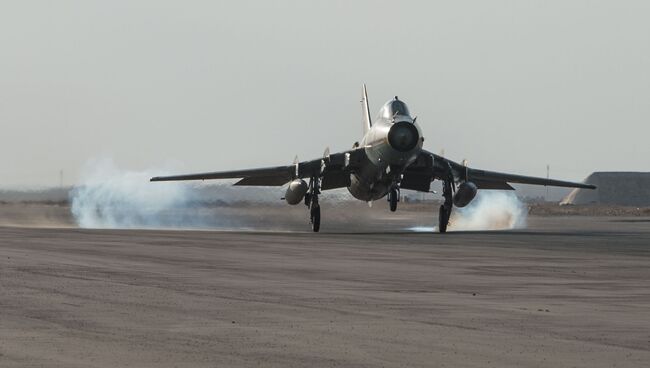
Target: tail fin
point(367, 123)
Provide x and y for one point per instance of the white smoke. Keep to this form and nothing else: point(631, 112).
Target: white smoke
point(490, 210)
point(112, 198)
point(109, 197)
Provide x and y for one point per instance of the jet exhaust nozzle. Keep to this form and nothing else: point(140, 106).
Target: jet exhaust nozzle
point(465, 194)
point(403, 136)
point(296, 191)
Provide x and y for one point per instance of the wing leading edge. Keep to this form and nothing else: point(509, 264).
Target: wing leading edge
point(271, 176)
point(485, 179)
point(333, 168)
point(429, 166)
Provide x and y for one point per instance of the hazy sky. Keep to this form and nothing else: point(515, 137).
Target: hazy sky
point(215, 85)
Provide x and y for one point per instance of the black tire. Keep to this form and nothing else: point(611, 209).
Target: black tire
point(443, 219)
point(393, 196)
point(315, 218)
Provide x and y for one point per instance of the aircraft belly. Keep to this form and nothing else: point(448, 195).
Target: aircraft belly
point(367, 188)
point(370, 181)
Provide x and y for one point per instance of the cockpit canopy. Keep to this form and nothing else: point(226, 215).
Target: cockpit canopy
point(393, 108)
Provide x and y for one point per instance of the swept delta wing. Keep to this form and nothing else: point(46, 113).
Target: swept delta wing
point(334, 169)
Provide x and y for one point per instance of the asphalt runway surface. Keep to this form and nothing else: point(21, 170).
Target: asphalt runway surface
point(566, 292)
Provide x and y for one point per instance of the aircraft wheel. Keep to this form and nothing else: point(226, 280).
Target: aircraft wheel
point(393, 196)
point(443, 219)
point(315, 218)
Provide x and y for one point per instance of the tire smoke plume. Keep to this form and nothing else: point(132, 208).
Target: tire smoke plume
point(112, 198)
point(490, 210)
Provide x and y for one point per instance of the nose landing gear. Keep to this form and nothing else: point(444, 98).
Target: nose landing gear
point(314, 218)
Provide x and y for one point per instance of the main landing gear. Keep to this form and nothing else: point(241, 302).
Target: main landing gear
point(445, 208)
point(311, 201)
point(393, 198)
point(314, 218)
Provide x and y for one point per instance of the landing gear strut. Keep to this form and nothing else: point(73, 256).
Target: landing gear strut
point(311, 201)
point(445, 208)
point(315, 218)
point(393, 198)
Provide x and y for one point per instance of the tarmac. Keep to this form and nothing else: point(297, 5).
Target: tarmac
point(566, 291)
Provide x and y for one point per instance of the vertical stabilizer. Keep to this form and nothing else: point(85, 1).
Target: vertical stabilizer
point(367, 123)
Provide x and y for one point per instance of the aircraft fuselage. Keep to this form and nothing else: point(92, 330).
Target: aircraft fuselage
point(391, 144)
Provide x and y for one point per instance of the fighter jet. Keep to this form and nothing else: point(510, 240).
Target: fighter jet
point(387, 159)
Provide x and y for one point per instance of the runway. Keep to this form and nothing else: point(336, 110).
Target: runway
point(569, 292)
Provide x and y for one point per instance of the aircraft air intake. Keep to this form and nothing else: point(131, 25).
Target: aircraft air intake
point(403, 136)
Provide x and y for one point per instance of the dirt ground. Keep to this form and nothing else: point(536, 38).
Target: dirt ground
point(566, 291)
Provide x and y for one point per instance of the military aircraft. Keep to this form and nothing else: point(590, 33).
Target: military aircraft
point(388, 158)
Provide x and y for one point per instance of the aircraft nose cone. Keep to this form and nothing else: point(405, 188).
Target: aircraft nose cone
point(403, 136)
